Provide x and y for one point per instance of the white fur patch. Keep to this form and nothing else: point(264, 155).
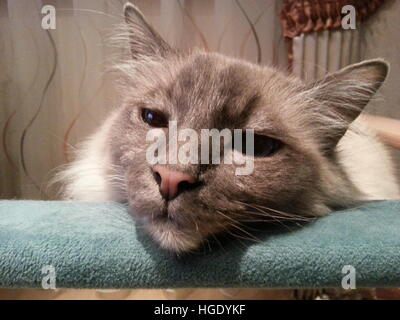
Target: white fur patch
point(368, 164)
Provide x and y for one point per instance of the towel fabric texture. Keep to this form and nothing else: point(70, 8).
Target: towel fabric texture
point(98, 245)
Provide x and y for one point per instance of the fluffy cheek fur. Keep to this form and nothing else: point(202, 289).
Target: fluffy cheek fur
point(287, 182)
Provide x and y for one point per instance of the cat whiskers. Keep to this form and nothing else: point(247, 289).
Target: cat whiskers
point(236, 225)
point(259, 213)
point(274, 213)
point(282, 215)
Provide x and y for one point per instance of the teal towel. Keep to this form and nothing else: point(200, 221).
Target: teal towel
point(97, 245)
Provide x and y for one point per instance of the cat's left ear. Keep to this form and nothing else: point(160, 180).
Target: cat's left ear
point(144, 40)
point(344, 94)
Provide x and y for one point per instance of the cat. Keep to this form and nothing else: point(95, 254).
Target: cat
point(312, 157)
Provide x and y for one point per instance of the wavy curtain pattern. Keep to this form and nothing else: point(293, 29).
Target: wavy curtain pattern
point(54, 84)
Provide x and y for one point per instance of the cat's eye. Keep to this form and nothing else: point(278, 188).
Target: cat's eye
point(264, 146)
point(154, 118)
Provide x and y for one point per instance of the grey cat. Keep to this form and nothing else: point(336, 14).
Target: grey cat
point(310, 155)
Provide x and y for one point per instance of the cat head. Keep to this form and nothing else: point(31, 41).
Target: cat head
point(296, 130)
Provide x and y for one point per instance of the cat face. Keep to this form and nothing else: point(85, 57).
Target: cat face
point(296, 128)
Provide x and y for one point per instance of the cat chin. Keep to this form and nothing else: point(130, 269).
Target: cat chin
point(169, 237)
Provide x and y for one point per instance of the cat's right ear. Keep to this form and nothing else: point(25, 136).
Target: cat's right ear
point(144, 41)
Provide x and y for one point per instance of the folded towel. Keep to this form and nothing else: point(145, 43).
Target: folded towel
point(98, 245)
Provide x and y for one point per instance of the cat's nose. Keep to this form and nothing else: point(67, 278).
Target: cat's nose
point(172, 182)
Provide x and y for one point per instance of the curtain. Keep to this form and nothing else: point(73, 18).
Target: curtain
point(54, 84)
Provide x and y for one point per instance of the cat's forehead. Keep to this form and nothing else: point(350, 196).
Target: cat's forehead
point(210, 89)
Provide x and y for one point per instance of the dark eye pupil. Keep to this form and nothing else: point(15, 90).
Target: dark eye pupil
point(154, 118)
point(263, 146)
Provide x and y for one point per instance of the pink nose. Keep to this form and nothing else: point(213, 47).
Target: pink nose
point(172, 182)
